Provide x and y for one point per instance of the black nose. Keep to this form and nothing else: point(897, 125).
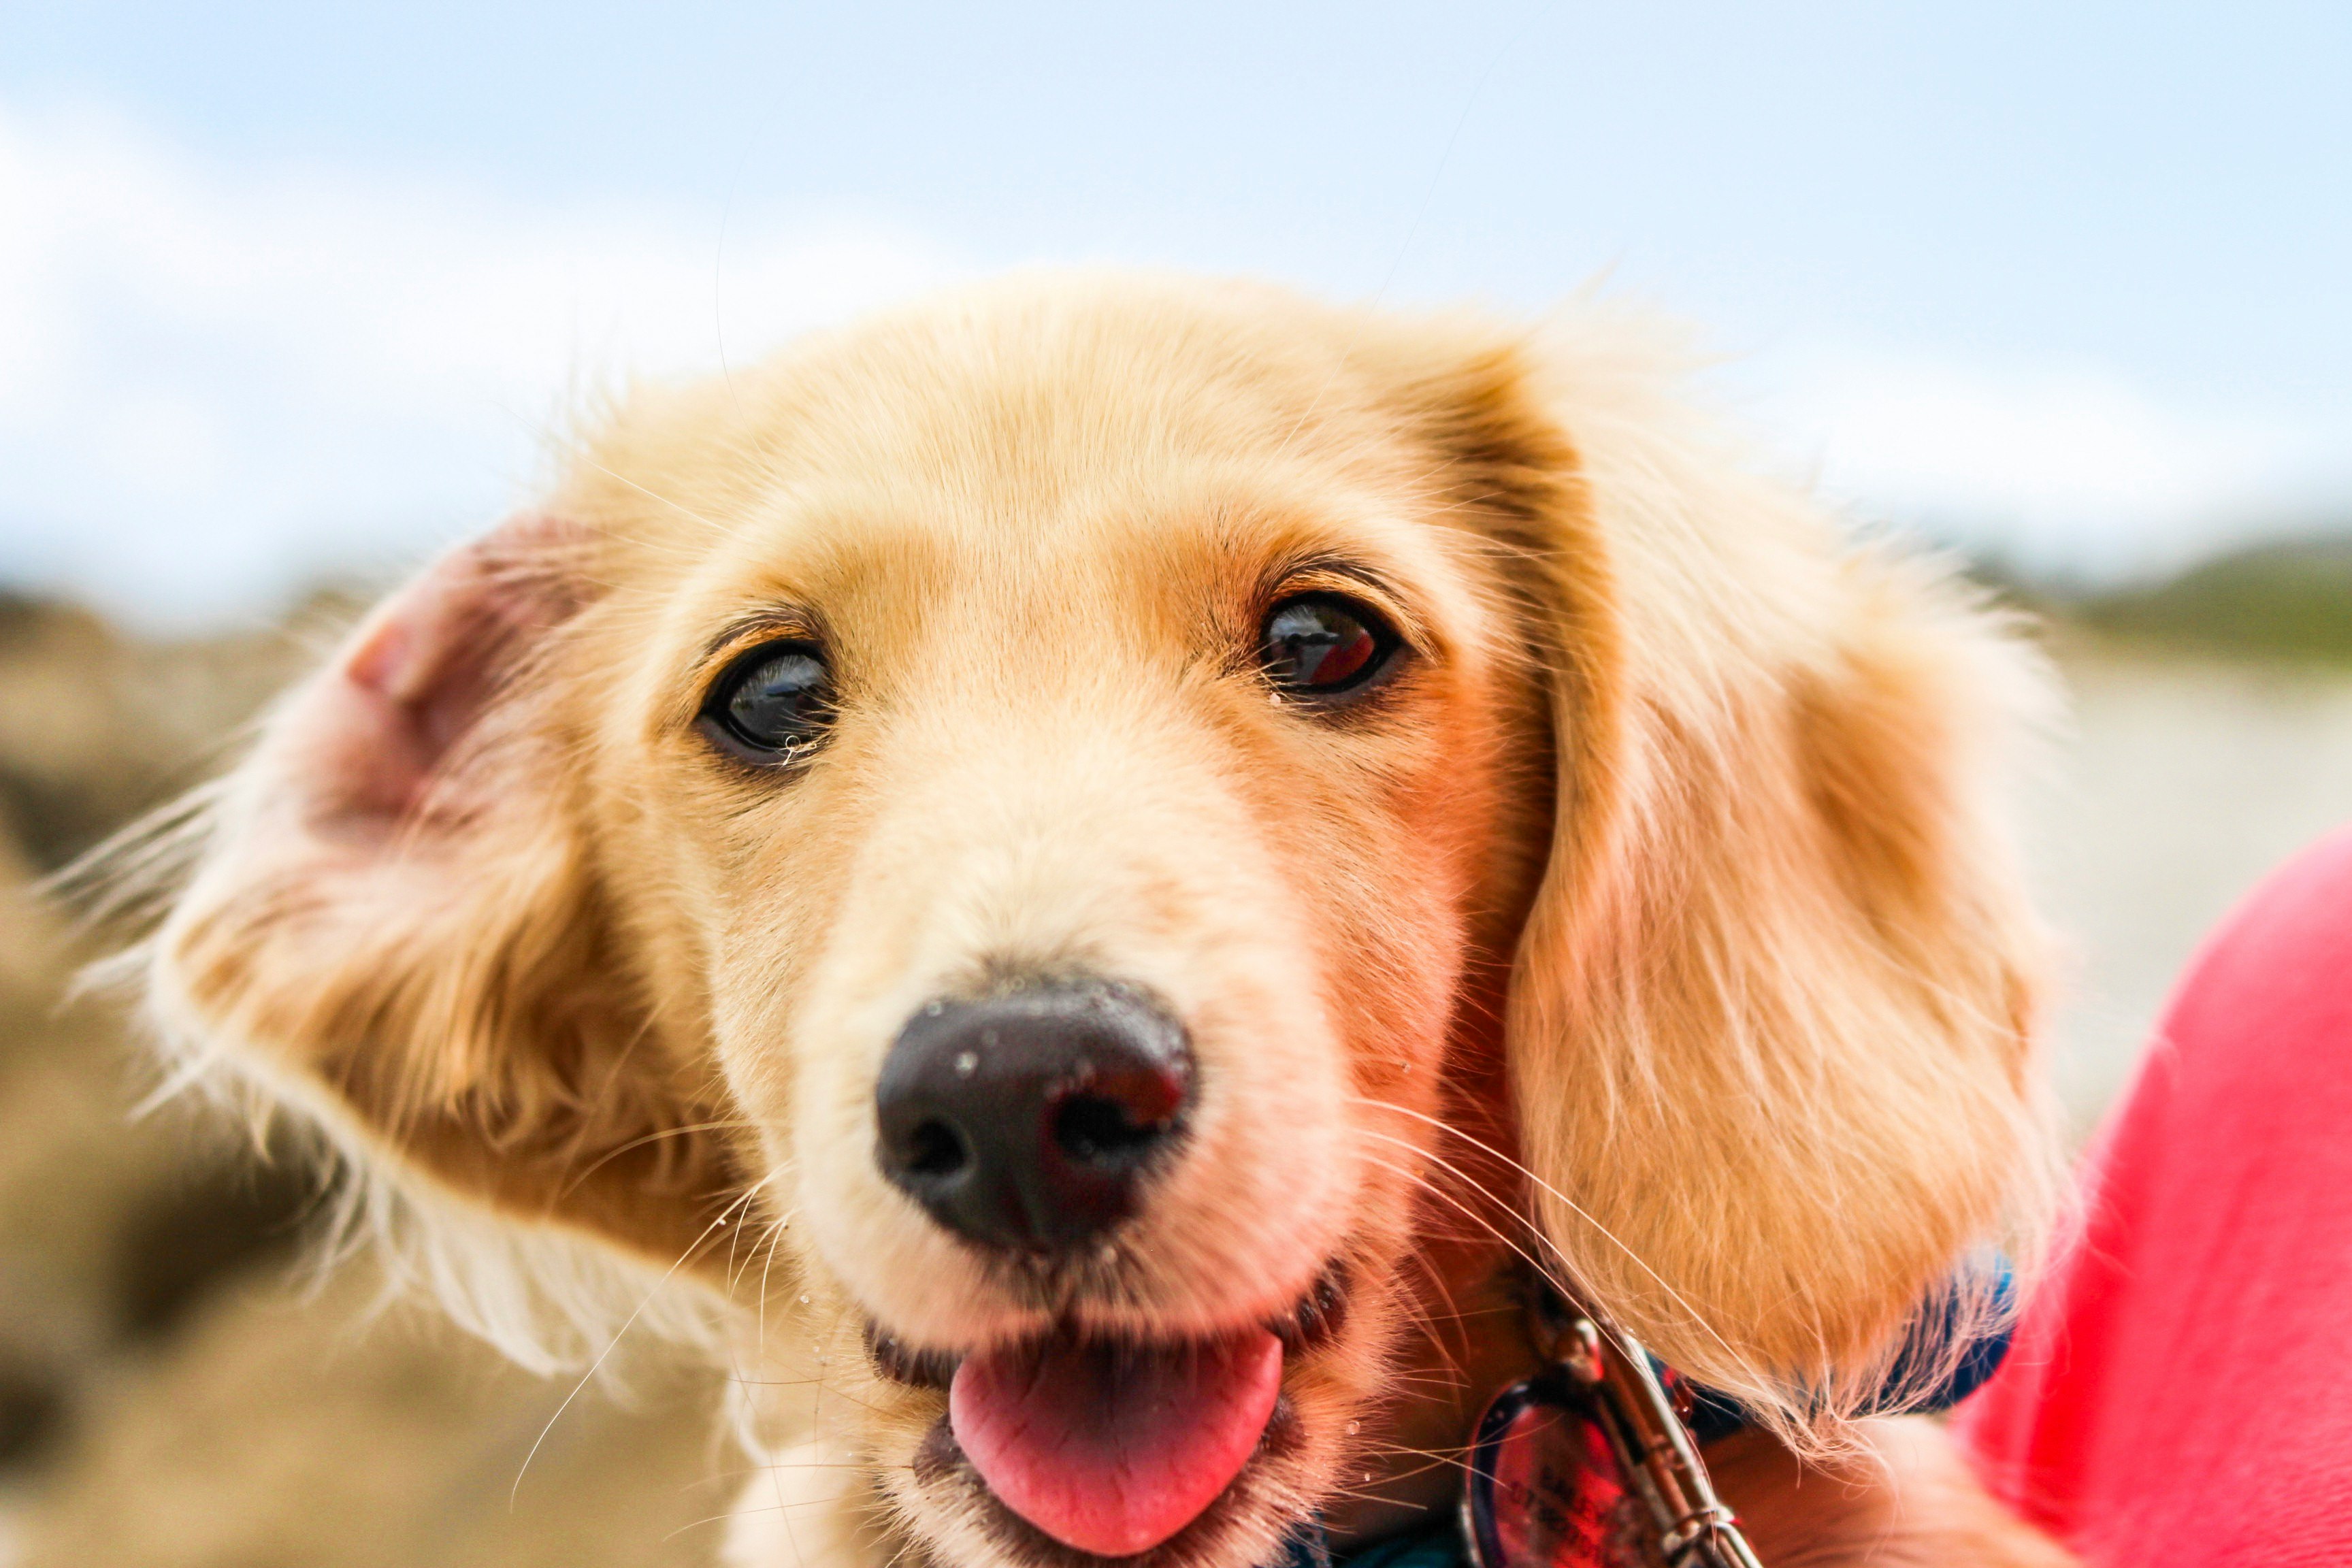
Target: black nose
point(1026, 1120)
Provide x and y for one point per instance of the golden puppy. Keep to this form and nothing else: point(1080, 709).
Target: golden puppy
point(1110, 868)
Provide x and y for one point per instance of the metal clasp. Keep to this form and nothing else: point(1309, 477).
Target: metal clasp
point(1589, 1465)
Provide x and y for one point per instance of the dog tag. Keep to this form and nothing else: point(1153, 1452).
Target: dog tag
point(1547, 1489)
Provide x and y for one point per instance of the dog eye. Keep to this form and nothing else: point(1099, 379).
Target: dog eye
point(1322, 645)
point(771, 705)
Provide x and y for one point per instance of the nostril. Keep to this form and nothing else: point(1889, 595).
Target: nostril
point(1098, 1131)
point(934, 1149)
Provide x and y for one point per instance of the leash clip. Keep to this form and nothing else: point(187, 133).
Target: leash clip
point(1588, 1464)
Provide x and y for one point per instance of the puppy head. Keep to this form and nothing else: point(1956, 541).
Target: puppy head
point(1099, 820)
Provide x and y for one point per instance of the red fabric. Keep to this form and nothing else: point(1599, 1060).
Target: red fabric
point(2180, 1392)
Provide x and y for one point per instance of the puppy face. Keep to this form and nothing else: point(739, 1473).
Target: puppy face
point(1067, 744)
point(1104, 822)
point(1145, 743)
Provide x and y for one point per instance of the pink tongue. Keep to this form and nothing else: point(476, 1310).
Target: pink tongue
point(1110, 1448)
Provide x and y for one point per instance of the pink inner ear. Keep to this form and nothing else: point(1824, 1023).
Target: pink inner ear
point(372, 729)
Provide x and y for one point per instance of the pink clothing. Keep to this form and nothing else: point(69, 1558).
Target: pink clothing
point(2180, 1391)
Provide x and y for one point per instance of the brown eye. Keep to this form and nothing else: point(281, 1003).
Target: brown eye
point(771, 705)
point(1322, 645)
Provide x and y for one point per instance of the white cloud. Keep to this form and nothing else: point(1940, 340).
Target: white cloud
point(214, 383)
point(2064, 466)
point(218, 383)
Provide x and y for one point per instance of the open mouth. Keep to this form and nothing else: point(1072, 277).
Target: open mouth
point(1108, 1444)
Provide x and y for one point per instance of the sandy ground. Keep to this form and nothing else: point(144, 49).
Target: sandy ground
point(205, 1411)
point(2182, 784)
point(286, 1427)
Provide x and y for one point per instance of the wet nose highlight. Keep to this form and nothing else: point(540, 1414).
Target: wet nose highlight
point(1027, 1120)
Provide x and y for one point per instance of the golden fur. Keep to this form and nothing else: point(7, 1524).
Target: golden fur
point(1656, 920)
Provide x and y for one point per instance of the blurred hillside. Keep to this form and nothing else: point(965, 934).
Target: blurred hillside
point(172, 1396)
point(2287, 602)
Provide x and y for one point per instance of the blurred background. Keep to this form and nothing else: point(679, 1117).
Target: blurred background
point(289, 295)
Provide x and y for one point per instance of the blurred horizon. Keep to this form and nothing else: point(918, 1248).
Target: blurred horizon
point(290, 296)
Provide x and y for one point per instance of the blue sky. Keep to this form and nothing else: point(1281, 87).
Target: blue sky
point(290, 290)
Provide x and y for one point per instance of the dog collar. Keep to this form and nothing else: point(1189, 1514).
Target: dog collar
point(1593, 1461)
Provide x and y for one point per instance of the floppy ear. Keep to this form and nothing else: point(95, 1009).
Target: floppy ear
point(397, 918)
point(1769, 1013)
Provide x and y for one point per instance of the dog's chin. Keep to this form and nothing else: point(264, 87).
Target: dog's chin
point(1074, 1449)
